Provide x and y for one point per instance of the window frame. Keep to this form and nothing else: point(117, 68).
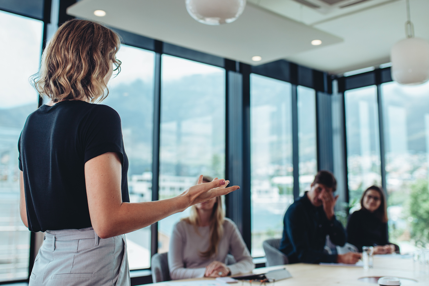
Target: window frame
point(376, 77)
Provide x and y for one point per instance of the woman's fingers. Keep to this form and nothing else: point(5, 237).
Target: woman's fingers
point(200, 179)
point(202, 192)
point(195, 191)
point(220, 270)
point(212, 266)
point(214, 193)
point(216, 268)
point(222, 191)
point(209, 268)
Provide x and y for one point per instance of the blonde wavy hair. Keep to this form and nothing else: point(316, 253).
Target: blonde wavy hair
point(76, 61)
point(216, 223)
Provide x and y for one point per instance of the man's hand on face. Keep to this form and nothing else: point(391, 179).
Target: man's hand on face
point(329, 202)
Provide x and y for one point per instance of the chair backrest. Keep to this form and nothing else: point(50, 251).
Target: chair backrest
point(330, 247)
point(272, 253)
point(160, 269)
point(230, 260)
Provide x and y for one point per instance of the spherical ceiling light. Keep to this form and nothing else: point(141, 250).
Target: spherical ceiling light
point(410, 57)
point(215, 12)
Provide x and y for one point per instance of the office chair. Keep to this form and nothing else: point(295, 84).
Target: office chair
point(272, 253)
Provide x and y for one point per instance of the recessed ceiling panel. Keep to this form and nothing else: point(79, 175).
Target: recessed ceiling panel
point(257, 32)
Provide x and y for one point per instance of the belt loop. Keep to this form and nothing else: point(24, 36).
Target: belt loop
point(54, 242)
point(97, 239)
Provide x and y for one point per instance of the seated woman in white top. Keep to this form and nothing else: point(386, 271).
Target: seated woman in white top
point(201, 242)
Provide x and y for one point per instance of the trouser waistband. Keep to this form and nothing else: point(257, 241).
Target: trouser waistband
point(53, 237)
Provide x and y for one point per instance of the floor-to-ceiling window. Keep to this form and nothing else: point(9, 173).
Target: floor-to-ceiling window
point(21, 45)
point(271, 157)
point(131, 95)
point(307, 137)
point(192, 130)
point(363, 145)
point(406, 133)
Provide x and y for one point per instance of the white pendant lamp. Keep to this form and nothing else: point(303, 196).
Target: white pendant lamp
point(215, 12)
point(410, 57)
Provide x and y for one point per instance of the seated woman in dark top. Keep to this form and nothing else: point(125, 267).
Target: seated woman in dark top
point(368, 226)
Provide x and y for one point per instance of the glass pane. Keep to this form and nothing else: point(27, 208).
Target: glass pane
point(131, 95)
point(192, 130)
point(307, 137)
point(406, 129)
point(271, 157)
point(21, 49)
point(363, 145)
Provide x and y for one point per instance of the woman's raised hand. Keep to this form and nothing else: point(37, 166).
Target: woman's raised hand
point(204, 191)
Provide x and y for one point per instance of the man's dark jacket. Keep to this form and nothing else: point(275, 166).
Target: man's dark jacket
point(305, 230)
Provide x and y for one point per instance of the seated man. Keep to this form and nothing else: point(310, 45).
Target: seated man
point(307, 222)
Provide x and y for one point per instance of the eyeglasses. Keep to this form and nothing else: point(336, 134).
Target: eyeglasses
point(373, 197)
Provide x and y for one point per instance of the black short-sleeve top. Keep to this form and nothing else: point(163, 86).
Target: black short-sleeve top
point(54, 146)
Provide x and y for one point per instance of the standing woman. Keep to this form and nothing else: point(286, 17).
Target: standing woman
point(201, 242)
point(73, 179)
point(368, 226)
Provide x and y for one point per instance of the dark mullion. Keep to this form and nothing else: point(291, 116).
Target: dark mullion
point(237, 160)
point(381, 131)
point(246, 213)
point(32, 256)
point(229, 66)
point(234, 156)
point(156, 140)
point(318, 153)
point(295, 142)
point(44, 43)
point(341, 89)
point(47, 5)
point(63, 16)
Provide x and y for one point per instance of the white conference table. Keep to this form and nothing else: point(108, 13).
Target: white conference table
point(321, 275)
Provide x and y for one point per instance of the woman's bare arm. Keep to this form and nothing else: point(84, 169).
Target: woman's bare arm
point(111, 217)
point(22, 207)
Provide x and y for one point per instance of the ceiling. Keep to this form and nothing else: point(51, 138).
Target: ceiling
point(355, 37)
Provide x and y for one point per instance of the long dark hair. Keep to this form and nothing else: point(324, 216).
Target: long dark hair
point(381, 212)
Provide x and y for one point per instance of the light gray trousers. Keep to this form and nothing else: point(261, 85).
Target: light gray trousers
point(79, 257)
